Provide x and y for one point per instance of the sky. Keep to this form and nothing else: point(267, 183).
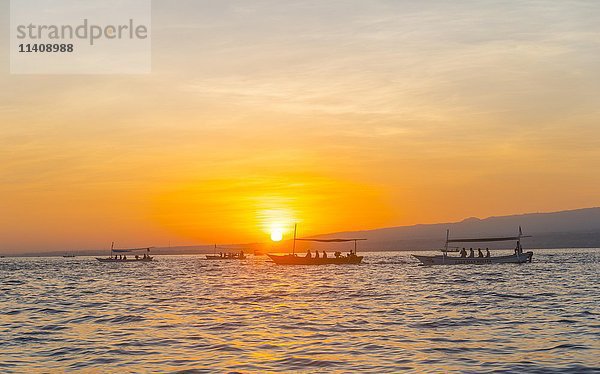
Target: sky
point(337, 115)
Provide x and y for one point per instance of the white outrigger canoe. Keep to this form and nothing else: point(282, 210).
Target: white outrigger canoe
point(518, 257)
point(448, 260)
point(121, 255)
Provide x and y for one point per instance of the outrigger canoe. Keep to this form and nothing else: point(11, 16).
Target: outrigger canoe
point(294, 259)
point(448, 260)
point(121, 255)
point(518, 257)
point(146, 259)
point(226, 256)
point(229, 255)
point(297, 260)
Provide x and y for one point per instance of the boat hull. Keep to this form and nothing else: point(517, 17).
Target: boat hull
point(447, 260)
point(148, 259)
point(295, 260)
point(209, 257)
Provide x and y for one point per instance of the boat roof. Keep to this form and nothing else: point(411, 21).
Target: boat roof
point(476, 240)
point(230, 249)
point(130, 250)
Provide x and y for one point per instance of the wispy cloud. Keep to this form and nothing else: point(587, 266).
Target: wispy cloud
point(419, 103)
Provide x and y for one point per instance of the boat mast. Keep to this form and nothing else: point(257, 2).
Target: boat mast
point(112, 246)
point(294, 245)
point(447, 236)
point(519, 248)
point(445, 251)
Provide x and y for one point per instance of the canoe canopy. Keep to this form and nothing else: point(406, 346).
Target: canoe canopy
point(130, 250)
point(476, 240)
point(480, 240)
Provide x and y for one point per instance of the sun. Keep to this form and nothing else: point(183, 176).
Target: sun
point(276, 235)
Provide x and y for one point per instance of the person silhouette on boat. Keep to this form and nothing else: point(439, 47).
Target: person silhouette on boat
point(324, 254)
point(463, 252)
point(479, 253)
point(337, 254)
point(487, 252)
point(471, 252)
point(308, 254)
point(316, 254)
point(517, 249)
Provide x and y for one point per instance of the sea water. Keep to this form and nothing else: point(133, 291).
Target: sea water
point(183, 313)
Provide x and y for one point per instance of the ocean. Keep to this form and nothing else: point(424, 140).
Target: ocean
point(388, 315)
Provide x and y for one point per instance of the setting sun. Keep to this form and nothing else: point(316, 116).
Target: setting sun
point(277, 235)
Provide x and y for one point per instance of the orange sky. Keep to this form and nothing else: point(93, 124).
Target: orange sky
point(259, 116)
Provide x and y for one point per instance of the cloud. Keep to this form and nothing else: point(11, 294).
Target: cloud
point(416, 101)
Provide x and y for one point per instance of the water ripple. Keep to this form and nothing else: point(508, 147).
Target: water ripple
point(184, 314)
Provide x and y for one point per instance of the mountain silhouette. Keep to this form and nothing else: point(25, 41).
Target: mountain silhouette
point(565, 229)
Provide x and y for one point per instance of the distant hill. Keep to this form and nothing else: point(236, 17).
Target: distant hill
point(566, 229)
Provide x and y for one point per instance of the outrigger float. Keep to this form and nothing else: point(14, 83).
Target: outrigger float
point(293, 259)
point(121, 255)
point(518, 257)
